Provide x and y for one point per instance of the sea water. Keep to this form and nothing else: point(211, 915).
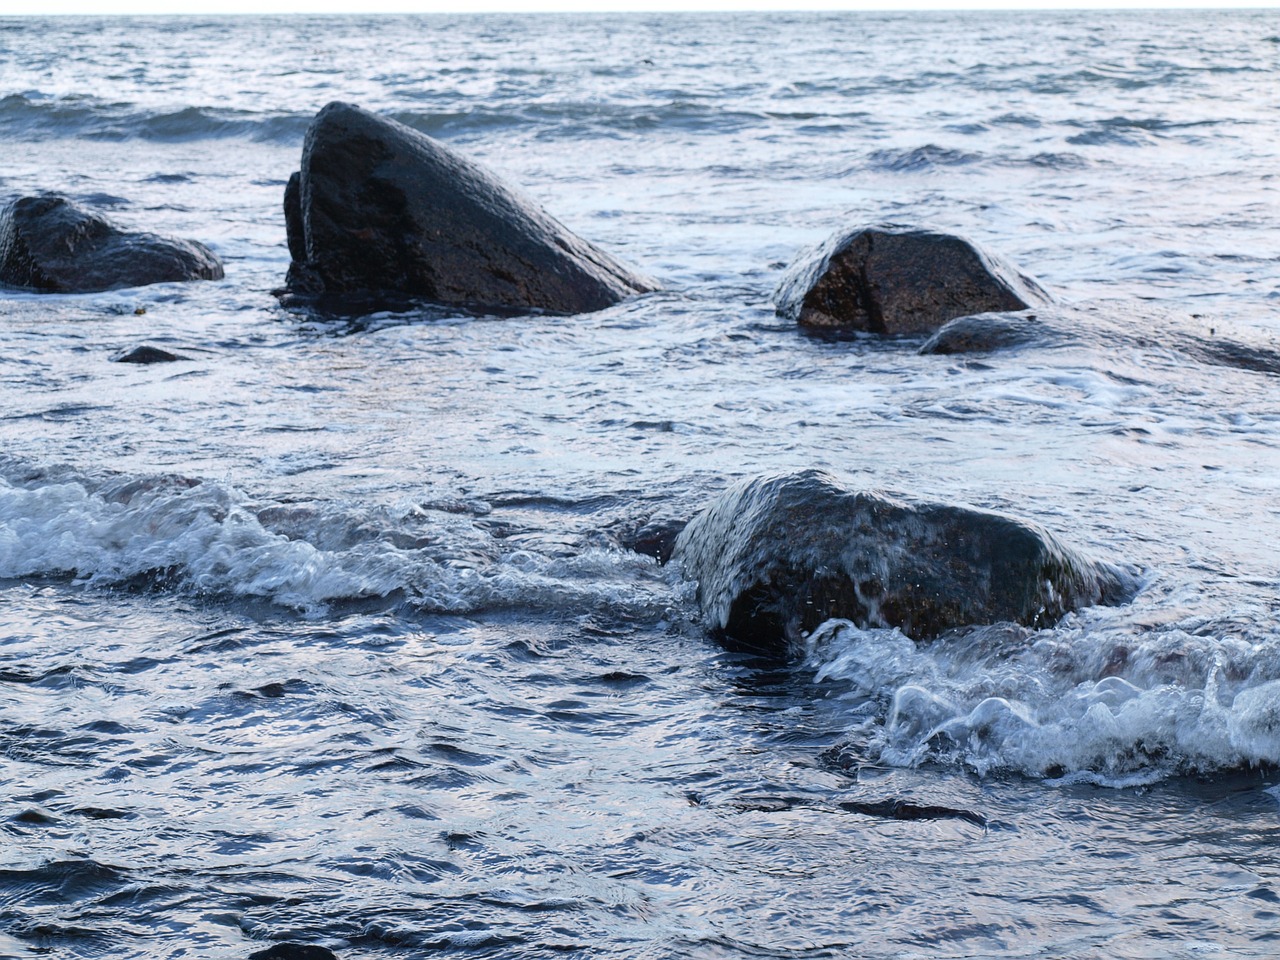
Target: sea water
point(323, 634)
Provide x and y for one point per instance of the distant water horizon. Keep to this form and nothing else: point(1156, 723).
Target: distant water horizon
point(325, 632)
point(114, 8)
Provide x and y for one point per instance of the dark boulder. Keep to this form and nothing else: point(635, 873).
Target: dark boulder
point(989, 332)
point(148, 354)
point(293, 218)
point(50, 244)
point(379, 209)
point(774, 557)
point(1105, 326)
point(652, 536)
point(294, 951)
point(897, 280)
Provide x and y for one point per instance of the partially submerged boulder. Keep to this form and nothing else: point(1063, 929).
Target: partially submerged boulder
point(1103, 326)
point(652, 536)
point(898, 280)
point(147, 354)
point(989, 332)
point(379, 209)
point(51, 245)
point(776, 556)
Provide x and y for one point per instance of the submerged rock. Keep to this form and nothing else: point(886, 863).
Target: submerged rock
point(776, 556)
point(989, 332)
point(294, 951)
point(50, 244)
point(149, 354)
point(1105, 326)
point(896, 280)
point(380, 209)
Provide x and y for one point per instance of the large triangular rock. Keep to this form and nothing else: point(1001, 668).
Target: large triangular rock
point(49, 244)
point(899, 280)
point(776, 556)
point(379, 209)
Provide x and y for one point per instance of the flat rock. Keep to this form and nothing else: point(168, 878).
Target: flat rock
point(51, 245)
point(899, 280)
point(776, 556)
point(379, 209)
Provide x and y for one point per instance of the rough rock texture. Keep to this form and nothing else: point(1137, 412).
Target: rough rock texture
point(380, 209)
point(776, 556)
point(50, 244)
point(896, 280)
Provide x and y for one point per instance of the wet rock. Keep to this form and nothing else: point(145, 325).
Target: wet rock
point(989, 332)
point(51, 245)
point(149, 354)
point(294, 234)
point(294, 951)
point(654, 536)
point(379, 209)
point(1109, 325)
point(898, 280)
point(776, 556)
point(1225, 352)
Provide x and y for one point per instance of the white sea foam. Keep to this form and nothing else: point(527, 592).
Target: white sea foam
point(211, 539)
point(1080, 702)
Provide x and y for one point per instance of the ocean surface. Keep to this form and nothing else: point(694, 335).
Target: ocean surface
point(323, 634)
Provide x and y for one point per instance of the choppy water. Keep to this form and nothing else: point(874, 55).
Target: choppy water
point(323, 635)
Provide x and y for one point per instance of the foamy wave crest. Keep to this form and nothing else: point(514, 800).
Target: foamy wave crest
point(201, 536)
point(1073, 704)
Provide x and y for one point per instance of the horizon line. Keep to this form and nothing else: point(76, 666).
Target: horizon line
point(341, 8)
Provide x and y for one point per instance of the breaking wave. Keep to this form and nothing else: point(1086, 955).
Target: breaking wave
point(203, 537)
point(1083, 702)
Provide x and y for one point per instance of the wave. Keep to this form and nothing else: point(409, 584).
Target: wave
point(34, 115)
point(203, 537)
point(920, 159)
point(1078, 703)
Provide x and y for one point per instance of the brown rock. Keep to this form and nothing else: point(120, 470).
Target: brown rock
point(894, 280)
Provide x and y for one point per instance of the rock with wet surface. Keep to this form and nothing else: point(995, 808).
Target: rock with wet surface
point(381, 210)
point(147, 354)
point(989, 332)
point(1111, 325)
point(898, 280)
point(294, 951)
point(651, 536)
point(51, 245)
point(776, 556)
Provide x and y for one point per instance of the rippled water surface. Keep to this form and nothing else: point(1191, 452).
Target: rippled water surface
point(324, 633)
